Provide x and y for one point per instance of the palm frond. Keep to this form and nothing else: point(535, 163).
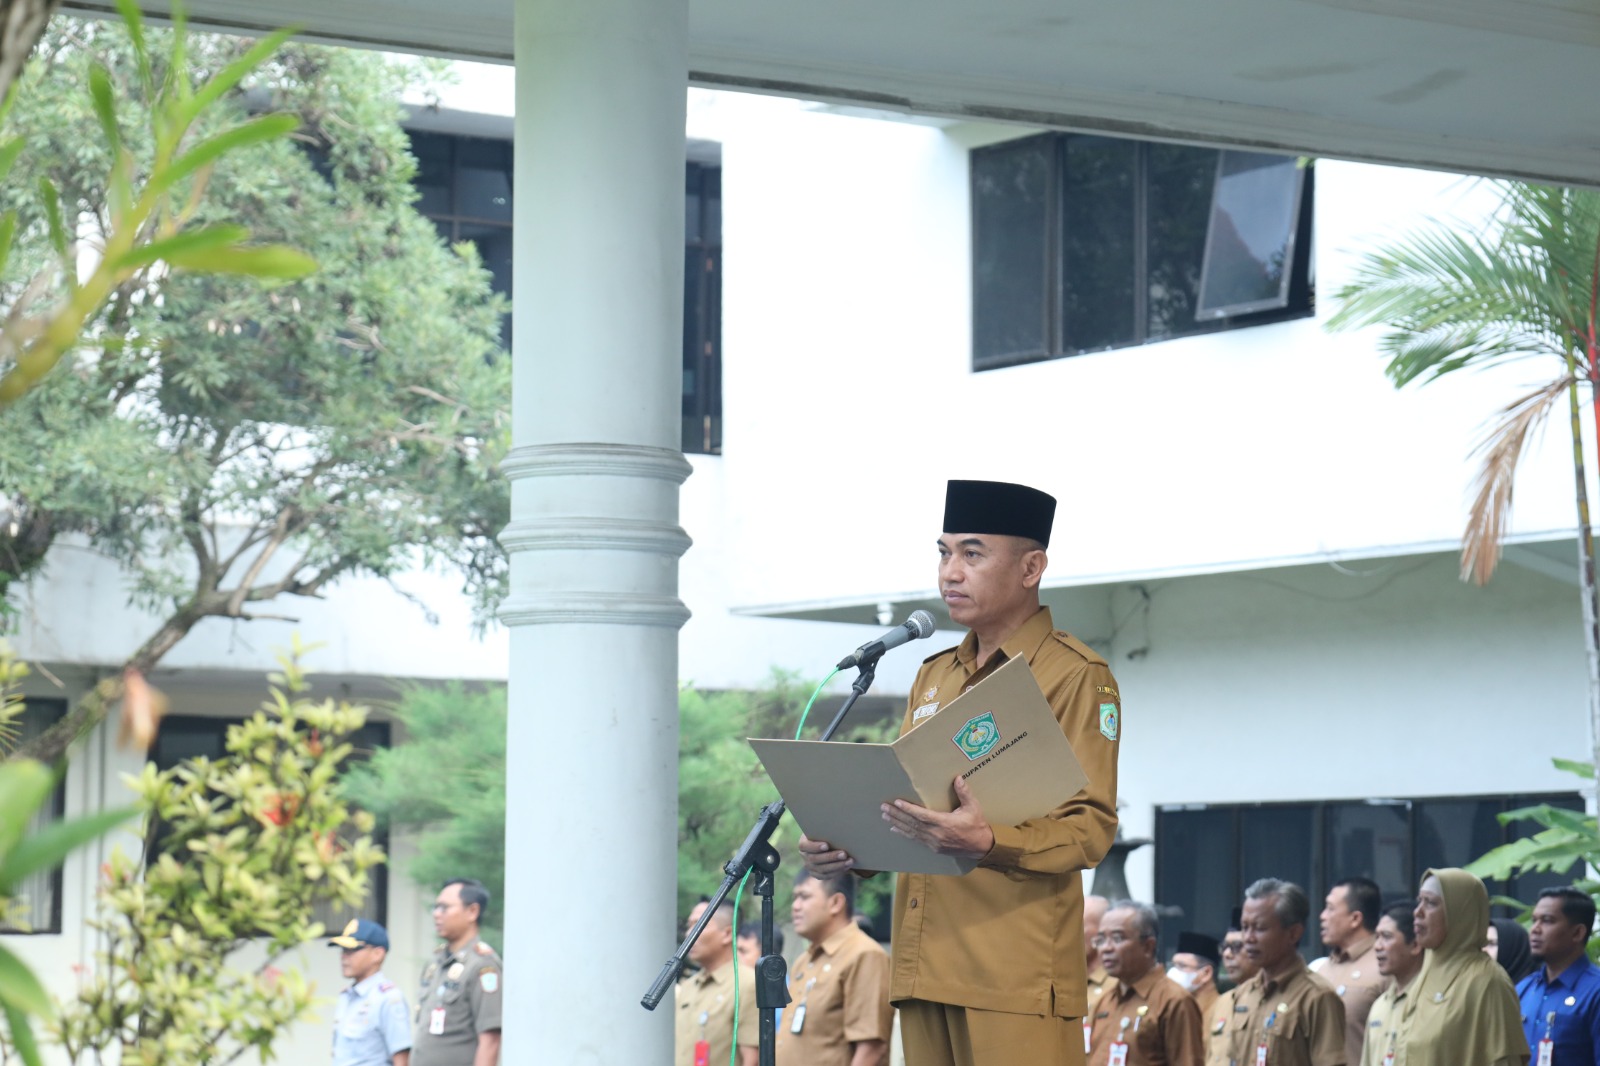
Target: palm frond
point(1501, 448)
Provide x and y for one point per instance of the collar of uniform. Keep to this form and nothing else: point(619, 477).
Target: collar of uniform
point(1270, 985)
point(1028, 639)
point(365, 985)
point(1361, 947)
point(1567, 978)
point(718, 976)
point(1143, 986)
point(1097, 974)
point(834, 941)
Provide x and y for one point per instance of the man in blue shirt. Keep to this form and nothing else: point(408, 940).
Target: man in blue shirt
point(1561, 999)
point(371, 1023)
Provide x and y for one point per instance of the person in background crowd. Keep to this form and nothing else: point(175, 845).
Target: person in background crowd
point(1348, 921)
point(1239, 968)
point(1561, 1000)
point(749, 942)
point(371, 1022)
point(703, 1029)
point(1285, 1015)
point(1194, 966)
point(1144, 1018)
point(1094, 909)
point(1399, 960)
point(840, 1014)
point(1463, 1011)
point(1508, 945)
point(458, 1008)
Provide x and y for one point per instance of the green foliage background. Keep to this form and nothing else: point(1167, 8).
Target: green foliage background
point(446, 781)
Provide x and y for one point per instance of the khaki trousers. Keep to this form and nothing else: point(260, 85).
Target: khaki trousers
point(936, 1034)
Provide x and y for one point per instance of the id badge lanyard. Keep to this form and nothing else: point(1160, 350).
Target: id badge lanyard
point(702, 1047)
point(1266, 1031)
point(1547, 1046)
point(800, 1011)
point(1119, 1046)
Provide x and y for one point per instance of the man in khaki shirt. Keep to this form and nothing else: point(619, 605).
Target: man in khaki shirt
point(1399, 960)
point(1194, 966)
point(1144, 1018)
point(840, 1013)
point(703, 1027)
point(1285, 1008)
point(1240, 968)
point(988, 969)
point(1349, 921)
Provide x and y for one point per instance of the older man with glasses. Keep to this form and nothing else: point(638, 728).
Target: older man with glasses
point(1239, 968)
point(371, 1023)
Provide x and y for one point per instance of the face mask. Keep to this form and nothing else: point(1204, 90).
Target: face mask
point(1183, 977)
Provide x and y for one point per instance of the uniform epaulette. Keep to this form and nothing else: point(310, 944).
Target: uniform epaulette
point(947, 651)
point(484, 949)
point(1070, 641)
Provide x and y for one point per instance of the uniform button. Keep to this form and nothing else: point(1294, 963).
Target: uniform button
point(913, 904)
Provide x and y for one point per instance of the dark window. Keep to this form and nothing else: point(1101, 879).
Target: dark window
point(464, 186)
point(1207, 856)
point(39, 896)
point(1082, 243)
point(192, 736)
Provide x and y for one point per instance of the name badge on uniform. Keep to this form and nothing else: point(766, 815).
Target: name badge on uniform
point(436, 1021)
point(1087, 1027)
point(799, 1019)
point(1119, 1054)
point(1547, 1050)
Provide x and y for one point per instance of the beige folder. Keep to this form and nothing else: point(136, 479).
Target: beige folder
point(1000, 735)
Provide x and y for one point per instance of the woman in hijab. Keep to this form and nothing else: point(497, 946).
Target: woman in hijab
point(1508, 945)
point(1463, 1010)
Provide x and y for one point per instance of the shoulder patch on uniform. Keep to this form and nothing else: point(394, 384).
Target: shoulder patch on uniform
point(1110, 721)
point(484, 949)
point(489, 980)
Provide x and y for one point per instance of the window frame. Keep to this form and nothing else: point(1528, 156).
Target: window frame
point(1054, 280)
point(54, 710)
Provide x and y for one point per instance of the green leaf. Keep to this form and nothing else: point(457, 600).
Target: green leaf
point(58, 229)
point(105, 106)
point(8, 230)
point(133, 19)
point(219, 236)
point(1574, 766)
point(47, 848)
point(19, 988)
point(256, 131)
point(22, 1035)
point(9, 151)
point(257, 261)
point(24, 787)
point(229, 76)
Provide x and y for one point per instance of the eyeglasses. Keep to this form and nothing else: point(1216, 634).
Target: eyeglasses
point(1232, 947)
point(1188, 967)
point(1116, 939)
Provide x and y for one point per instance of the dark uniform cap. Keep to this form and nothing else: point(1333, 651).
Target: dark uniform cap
point(361, 933)
point(1206, 947)
point(998, 507)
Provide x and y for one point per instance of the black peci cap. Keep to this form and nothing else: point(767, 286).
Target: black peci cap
point(999, 507)
point(1201, 946)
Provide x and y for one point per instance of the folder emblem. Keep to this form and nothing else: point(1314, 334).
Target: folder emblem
point(978, 737)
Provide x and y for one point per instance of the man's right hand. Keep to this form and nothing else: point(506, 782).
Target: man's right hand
point(822, 860)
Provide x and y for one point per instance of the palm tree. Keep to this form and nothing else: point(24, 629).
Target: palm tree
point(1527, 286)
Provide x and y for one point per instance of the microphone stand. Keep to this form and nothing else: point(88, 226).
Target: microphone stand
point(758, 855)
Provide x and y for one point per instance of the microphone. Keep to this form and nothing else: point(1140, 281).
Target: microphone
point(919, 625)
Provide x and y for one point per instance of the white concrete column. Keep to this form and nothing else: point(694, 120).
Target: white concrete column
point(591, 817)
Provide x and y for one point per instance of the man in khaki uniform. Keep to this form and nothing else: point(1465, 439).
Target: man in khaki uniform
point(1349, 923)
point(1240, 968)
point(1194, 966)
point(1144, 1018)
point(1399, 960)
point(703, 1028)
point(1286, 1009)
point(988, 969)
point(840, 1014)
point(458, 1006)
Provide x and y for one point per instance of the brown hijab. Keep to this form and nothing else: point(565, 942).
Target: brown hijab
point(1462, 1011)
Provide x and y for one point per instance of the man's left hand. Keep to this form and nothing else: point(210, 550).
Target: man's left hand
point(963, 833)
